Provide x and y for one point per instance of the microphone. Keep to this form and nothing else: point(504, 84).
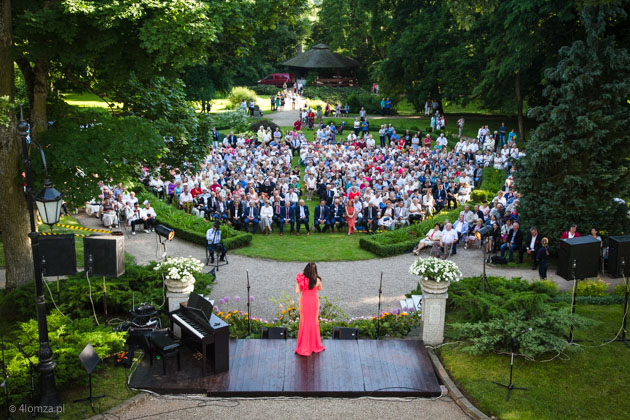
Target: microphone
point(20, 347)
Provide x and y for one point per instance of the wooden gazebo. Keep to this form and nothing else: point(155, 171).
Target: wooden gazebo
point(333, 69)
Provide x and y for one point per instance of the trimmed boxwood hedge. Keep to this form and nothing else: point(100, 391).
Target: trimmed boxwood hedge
point(403, 240)
point(192, 228)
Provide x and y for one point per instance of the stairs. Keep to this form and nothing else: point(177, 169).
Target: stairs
point(415, 302)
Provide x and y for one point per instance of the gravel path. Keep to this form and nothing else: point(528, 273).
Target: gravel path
point(351, 284)
point(196, 407)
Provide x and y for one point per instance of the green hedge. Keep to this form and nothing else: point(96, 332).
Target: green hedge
point(403, 240)
point(492, 180)
point(192, 228)
point(265, 90)
point(591, 300)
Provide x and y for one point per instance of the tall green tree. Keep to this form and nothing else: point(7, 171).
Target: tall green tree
point(13, 211)
point(576, 162)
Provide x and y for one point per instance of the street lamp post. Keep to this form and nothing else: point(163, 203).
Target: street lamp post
point(47, 200)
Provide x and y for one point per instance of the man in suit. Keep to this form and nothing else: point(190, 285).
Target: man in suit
point(440, 198)
point(235, 211)
point(370, 218)
point(513, 242)
point(401, 215)
point(232, 139)
point(301, 217)
point(461, 228)
point(330, 195)
point(286, 217)
point(336, 215)
point(531, 246)
point(322, 216)
point(250, 217)
point(278, 205)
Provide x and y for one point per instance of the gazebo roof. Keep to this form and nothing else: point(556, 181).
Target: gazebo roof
point(320, 57)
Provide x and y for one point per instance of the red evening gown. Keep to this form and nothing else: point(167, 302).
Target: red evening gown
point(309, 341)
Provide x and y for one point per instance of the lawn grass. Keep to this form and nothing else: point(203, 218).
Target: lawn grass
point(65, 220)
point(593, 383)
point(86, 99)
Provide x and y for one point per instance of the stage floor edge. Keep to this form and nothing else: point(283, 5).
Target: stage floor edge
point(270, 368)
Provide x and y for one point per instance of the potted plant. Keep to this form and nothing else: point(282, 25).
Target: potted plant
point(435, 274)
point(178, 273)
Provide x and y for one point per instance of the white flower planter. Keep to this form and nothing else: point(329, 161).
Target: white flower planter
point(176, 286)
point(435, 287)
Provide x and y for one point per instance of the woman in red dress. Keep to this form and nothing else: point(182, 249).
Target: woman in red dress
point(351, 217)
point(308, 283)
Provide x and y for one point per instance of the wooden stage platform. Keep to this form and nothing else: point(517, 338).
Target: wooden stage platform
point(347, 368)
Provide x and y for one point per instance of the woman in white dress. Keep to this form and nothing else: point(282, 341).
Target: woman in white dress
point(433, 237)
point(387, 216)
point(428, 202)
point(266, 217)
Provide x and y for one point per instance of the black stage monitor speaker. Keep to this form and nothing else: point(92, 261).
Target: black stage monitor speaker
point(274, 333)
point(104, 255)
point(342, 333)
point(585, 252)
point(58, 255)
point(618, 251)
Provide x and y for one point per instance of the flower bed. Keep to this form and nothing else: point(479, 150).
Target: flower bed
point(192, 228)
point(395, 323)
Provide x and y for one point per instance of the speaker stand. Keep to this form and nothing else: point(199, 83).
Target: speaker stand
point(623, 337)
point(484, 278)
point(105, 298)
point(249, 314)
point(378, 315)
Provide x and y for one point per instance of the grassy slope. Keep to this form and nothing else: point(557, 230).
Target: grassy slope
point(593, 383)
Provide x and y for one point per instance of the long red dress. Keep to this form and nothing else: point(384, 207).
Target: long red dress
point(309, 341)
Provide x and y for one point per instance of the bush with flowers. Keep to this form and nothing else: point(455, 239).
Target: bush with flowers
point(181, 269)
point(435, 269)
point(395, 323)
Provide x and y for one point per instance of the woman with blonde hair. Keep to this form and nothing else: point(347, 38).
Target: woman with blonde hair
point(542, 258)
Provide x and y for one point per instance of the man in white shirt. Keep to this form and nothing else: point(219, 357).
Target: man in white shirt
point(213, 236)
point(185, 200)
point(448, 239)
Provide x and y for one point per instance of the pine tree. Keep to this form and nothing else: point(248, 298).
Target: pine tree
point(577, 162)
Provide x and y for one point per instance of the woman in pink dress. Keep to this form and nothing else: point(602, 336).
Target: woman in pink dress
point(308, 283)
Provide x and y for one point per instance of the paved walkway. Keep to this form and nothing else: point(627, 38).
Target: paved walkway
point(196, 407)
point(351, 284)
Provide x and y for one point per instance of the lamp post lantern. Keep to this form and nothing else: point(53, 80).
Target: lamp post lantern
point(48, 203)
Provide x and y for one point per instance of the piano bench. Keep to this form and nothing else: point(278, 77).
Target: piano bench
point(161, 343)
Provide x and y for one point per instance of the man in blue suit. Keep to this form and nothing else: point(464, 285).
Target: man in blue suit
point(286, 217)
point(322, 216)
point(301, 217)
point(336, 215)
point(250, 216)
point(440, 198)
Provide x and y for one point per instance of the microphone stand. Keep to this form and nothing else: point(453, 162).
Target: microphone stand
point(484, 278)
point(623, 338)
point(511, 386)
point(570, 339)
point(378, 316)
point(5, 383)
point(249, 314)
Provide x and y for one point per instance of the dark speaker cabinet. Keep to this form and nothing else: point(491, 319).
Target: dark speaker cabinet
point(343, 333)
point(57, 255)
point(585, 251)
point(618, 252)
point(274, 333)
point(104, 255)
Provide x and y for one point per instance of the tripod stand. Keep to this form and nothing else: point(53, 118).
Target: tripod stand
point(511, 386)
point(623, 337)
point(484, 278)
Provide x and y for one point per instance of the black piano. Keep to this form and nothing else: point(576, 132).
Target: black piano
point(202, 328)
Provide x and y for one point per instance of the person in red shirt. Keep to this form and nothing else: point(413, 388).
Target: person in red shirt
point(215, 186)
point(196, 191)
point(571, 233)
point(297, 125)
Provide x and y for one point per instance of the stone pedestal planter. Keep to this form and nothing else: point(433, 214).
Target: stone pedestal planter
point(434, 295)
point(177, 292)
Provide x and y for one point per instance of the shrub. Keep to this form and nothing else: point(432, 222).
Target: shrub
point(492, 180)
point(591, 300)
point(233, 120)
point(67, 339)
point(361, 98)
point(479, 196)
point(334, 95)
point(238, 94)
point(592, 288)
point(264, 90)
point(253, 127)
point(403, 240)
point(619, 289)
point(192, 228)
